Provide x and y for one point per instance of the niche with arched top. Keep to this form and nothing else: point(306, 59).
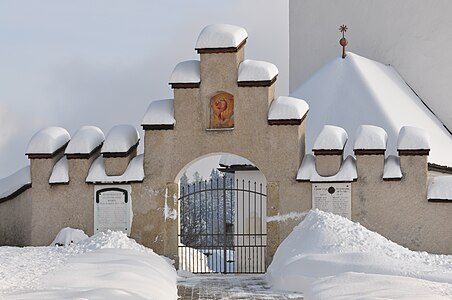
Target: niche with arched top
point(222, 111)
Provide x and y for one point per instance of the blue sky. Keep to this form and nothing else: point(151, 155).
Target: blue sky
point(75, 63)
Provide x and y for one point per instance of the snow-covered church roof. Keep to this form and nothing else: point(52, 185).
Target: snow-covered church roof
point(356, 90)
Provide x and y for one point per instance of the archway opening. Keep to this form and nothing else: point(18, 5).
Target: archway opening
point(222, 216)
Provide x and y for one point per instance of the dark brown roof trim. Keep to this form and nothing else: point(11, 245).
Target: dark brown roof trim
point(303, 180)
point(187, 85)
point(369, 151)
point(158, 127)
point(46, 155)
point(440, 200)
point(83, 155)
point(16, 193)
point(414, 152)
point(221, 50)
point(328, 152)
point(114, 182)
point(392, 179)
point(121, 154)
point(439, 168)
point(287, 121)
point(340, 181)
point(262, 83)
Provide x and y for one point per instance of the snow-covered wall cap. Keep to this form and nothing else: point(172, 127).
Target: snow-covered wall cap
point(392, 169)
point(217, 36)
point(308, 172)
point(14, 184)
point(370, 137)
point(228, 160)
point(331, 138)
point(255, 70)
point(60, 172)
point(286, 109)
point(46, 142)
point(121, 139)
point(133, 173)
point(186, 72)
point(85, 141)
point(160, 115)
point(413, 140)
point(440, 189)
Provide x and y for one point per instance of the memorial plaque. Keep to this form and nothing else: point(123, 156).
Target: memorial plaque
point(333, 197)
point(112, 208)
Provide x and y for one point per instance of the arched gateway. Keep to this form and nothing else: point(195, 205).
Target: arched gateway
point(222, 104)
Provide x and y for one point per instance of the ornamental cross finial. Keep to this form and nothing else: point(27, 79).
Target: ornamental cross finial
point(343, 41)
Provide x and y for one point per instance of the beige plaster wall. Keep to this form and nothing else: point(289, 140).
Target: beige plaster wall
point(15, 224)
point(275, 150)
point(399, 210)
point(328, 165)
point(56, 206)
point(115, 166)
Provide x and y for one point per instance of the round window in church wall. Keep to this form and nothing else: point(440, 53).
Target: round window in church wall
point(222, 111)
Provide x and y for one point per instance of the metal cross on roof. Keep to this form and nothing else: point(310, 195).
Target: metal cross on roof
point(343, 41)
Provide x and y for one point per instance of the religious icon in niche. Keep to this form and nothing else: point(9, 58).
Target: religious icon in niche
point(222, 111)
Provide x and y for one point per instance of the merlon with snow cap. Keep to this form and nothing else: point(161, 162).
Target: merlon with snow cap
point(221, 38)
point(47, 142)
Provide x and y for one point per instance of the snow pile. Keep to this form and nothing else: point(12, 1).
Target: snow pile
point(192, 260)
point(105, 266)
point(412, 138)
point(392, 168)
point(160, 112)
point(255, 70)
point(186, 72)
point(134, 171)
point(287, 108)
point(356, 90)
point(308, 171)
point(60, 172)
point(85, 140)
point(120, 139)
point(326, 251)
point(48, 140)
point(331, 138)
point(370, 137)
point(14, 182)
point(221, 36)
point(440, 188)
point(68, 236)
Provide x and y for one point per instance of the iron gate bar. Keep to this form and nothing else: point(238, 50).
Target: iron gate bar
point(202, 241)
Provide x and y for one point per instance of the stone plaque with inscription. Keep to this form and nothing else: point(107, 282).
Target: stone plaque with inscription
point(333, 197)
point(112, 208)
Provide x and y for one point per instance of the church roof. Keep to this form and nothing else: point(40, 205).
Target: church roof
point(356, 90)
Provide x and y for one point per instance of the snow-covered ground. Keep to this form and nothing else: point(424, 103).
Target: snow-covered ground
point(105, 266)
point(329, 257)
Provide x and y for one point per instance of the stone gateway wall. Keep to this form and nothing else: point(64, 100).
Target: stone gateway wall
point(223, 103)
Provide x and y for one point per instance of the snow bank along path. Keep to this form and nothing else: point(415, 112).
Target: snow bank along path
point(326, 251)
point(105, 266)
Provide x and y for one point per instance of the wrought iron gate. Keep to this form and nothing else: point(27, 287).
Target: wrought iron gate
point(223, 226)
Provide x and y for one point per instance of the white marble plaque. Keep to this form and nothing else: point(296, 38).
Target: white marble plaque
point(333, 197)
point(112, 208)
